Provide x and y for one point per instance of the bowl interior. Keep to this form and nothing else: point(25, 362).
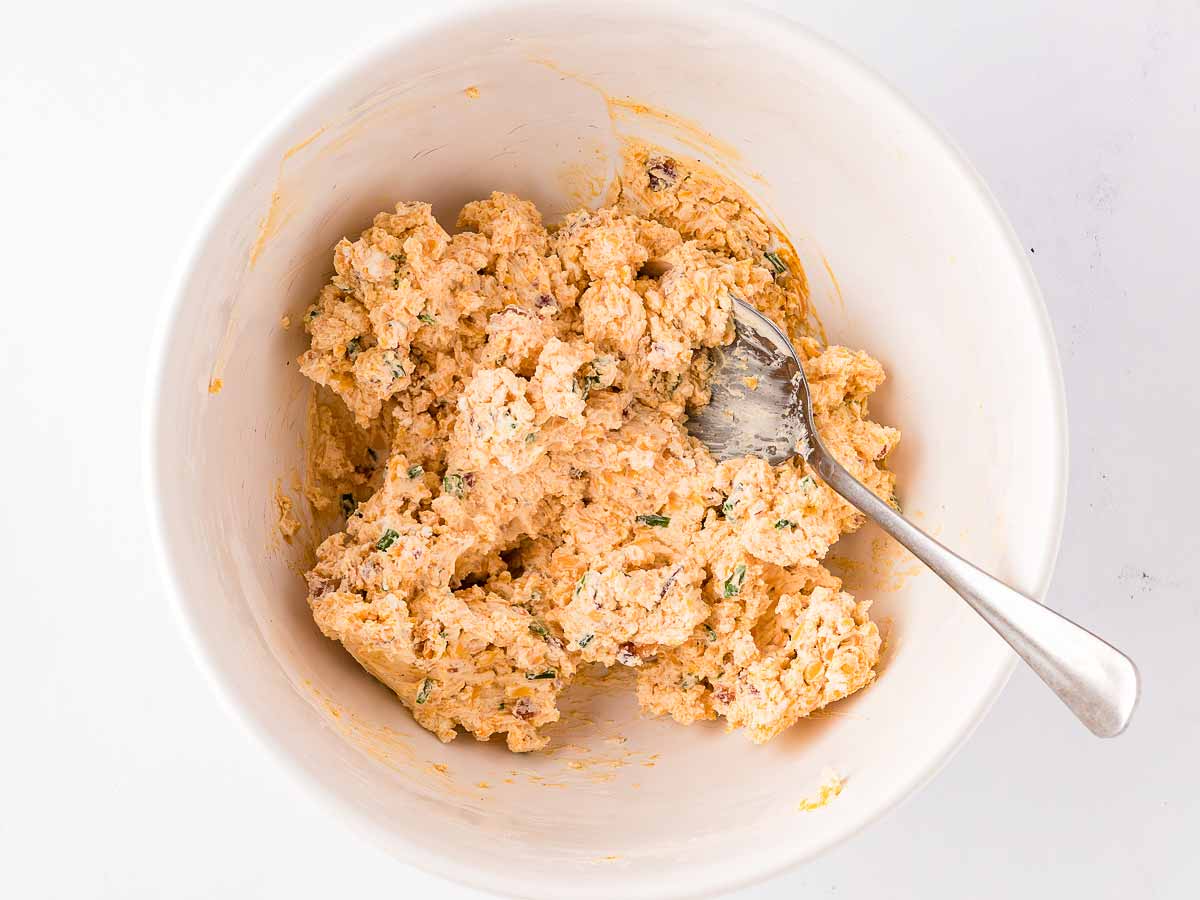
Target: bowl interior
point(907, 258)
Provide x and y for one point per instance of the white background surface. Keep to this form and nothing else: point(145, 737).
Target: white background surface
point(122, 777)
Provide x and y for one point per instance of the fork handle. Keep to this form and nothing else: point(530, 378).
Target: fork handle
point(1096, 681)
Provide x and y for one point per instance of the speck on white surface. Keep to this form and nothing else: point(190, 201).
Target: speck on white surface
point(122, 777)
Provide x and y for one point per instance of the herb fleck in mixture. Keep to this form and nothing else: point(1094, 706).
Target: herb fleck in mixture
point(520, 495)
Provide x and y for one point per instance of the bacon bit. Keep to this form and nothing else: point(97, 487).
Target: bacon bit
point(319, 587)
point(627, 655)
point(661, 172)
point(523, 709)
point(723, 694)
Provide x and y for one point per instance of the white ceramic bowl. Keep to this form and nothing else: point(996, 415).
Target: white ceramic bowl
point(931, 280)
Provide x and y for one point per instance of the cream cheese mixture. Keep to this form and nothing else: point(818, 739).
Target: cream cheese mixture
point(519, 491)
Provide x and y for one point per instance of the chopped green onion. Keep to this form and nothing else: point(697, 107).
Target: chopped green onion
point(784, 523)
point(393, 363)
point(348, 504)
point(585, 640)
point(539, 629)
point(581, 584)
point(425, 690)
point(776, 263)
point(669, 581)
point(712, 635)
point(653, 520)
point(397, 258)
point(386, 539)
point(589, 382)
point(733, 584)
point(454, 485)
point(416, 471)
point(353, 347)
point(531, 437)
point(807, 481)
point(541, 676)
point(427, 318)
point(727, 507)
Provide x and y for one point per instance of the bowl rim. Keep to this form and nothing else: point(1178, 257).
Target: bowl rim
point(789, 35)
